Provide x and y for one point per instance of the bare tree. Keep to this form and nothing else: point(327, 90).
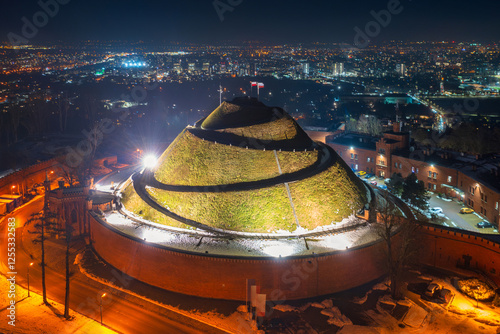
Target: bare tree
point(369, 124)
point(69, 174)
point(67, 231)
point(44, 223)
point(398, 234)
point(63, 107)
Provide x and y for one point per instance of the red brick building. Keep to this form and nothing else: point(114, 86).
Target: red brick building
point(472, 179)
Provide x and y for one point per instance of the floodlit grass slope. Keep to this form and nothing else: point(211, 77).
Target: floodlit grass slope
point(327, 197)
point(320, 200)
point(193, 161)
point(260, 210)
point(133, 203)
point(279, 129)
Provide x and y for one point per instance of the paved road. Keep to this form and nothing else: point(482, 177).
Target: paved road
point(451, 211)
point(130, 315)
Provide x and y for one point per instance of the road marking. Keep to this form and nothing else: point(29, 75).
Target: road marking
point(454, 224)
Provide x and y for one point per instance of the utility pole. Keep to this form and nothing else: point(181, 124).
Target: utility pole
point(220, 94)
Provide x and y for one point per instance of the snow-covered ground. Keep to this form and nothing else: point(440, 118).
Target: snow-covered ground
point(462, 315)
point(34, 317)
point(204, 242)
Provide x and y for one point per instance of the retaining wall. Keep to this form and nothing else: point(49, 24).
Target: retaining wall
point(448, 248)
point(224, 277)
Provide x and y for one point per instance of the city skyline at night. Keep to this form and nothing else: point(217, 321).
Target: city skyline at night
point(250, 167)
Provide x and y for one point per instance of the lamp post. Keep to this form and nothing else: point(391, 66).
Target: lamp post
point(100, 305)
point(12, 190)
point(29, 278)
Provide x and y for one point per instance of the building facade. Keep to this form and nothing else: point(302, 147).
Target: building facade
point(474, 180)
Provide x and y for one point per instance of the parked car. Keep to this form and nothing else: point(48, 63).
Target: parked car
point(382, 186)
point(436, 211)
point(373, 183)
point(387, 180)
point(360, 173)
point(466, 210)
point(369, 176)
point(484, 224)
point(445, 296)
point(432, 288)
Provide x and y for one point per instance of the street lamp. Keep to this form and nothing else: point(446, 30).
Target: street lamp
point(100, 305)
point(12, 190)
point(149, 161)
point(29, 278)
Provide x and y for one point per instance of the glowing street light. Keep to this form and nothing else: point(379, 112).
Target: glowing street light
point(100, 305)
point(149, 161)
point(29, 278)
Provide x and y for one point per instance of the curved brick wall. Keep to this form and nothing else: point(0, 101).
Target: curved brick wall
point(220, 277)
point(447, 248)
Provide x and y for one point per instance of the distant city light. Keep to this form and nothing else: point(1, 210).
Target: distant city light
point(149, 161)
point(134, 64)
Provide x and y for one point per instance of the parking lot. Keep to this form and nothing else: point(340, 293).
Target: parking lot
point(453, 217)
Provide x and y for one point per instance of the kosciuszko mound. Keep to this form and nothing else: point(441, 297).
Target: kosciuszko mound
point(247, 167)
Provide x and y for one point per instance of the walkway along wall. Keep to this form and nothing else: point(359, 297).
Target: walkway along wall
point(224, 277)
point(449, 249)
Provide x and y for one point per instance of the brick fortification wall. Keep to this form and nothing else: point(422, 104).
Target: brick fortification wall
point(445, 248)
point(225, 277)
point(28, 176)
point(288, 278)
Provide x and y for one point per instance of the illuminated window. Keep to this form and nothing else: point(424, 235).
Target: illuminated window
point(449, 179)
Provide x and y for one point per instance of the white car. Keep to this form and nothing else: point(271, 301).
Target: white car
point(436, 211)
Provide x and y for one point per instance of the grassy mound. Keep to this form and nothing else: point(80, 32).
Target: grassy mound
point(193, 161)
point(320, 200)
point(244, 112)
point(133, 203)
point(260, 210)
point(279, 129)
point(327, 197)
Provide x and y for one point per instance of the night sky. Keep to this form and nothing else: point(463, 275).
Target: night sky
point(268, 21)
